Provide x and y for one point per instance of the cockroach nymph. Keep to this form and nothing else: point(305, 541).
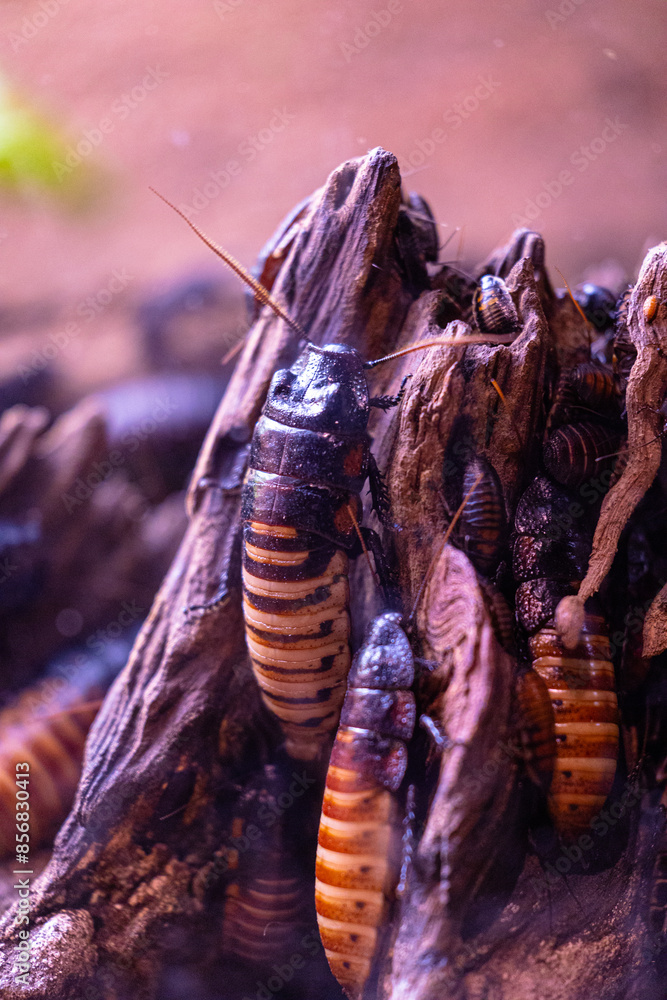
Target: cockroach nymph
point(650, 308)
point(358, 850)
point(493, 309)
point(482, 523)
point(551, 552)
point(310, 457)
point(265, 901)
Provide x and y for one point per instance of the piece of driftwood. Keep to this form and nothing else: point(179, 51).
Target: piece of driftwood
point(137, 880)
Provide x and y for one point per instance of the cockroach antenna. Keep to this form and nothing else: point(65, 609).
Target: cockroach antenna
point(260, 291)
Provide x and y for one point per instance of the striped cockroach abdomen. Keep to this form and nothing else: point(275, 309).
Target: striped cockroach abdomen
point(536, 727)
point(493, 308)
point(579, 452)
point(359, 839)
point(482, 523)
point(308, 463)
point(551, 548)
point(46, 729)
point(581, 685)
point(588, 386)
point(265, 904)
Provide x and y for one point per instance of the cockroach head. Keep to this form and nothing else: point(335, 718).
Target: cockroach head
point(324, 390)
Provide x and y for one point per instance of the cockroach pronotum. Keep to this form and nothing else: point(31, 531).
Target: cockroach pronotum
point(358, 847)
point(548, 563)
point(265, 901)
point(598, 303)
point(493, 308)
point(310, 457)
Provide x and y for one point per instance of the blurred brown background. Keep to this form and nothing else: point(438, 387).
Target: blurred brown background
point(545, 113)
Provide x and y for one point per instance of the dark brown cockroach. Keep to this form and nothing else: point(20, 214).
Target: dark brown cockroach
point(579, 452)
point(493, 309)
point(265, 903)
point(550, 554)
point(598, 304)
point(301, 508)
point(46, 730)
point(501, 615)
point(358, 846)
point(481, 529)
point(536, 727)
point(587, 387)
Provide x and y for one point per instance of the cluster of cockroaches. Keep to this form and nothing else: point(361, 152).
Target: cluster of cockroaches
point(301, 513)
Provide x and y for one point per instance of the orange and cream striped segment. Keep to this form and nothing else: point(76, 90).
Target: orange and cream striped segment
point(581, 686)
point(356, 870)
point(295, 604)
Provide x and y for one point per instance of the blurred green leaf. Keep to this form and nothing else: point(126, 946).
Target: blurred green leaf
point(34, 156)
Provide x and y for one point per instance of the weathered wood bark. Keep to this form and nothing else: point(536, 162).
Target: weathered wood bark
point(138, 873)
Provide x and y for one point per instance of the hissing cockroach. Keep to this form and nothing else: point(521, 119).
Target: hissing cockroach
point(493, 308)
point(598, 303)
point(581, 451)
point(359, 841)
point(265, 901)
point(588, 386)
point(536, 727)
point(46, 728)
point(582, 689)
point(310, 457)
point(549, 560)
point(481, 529)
